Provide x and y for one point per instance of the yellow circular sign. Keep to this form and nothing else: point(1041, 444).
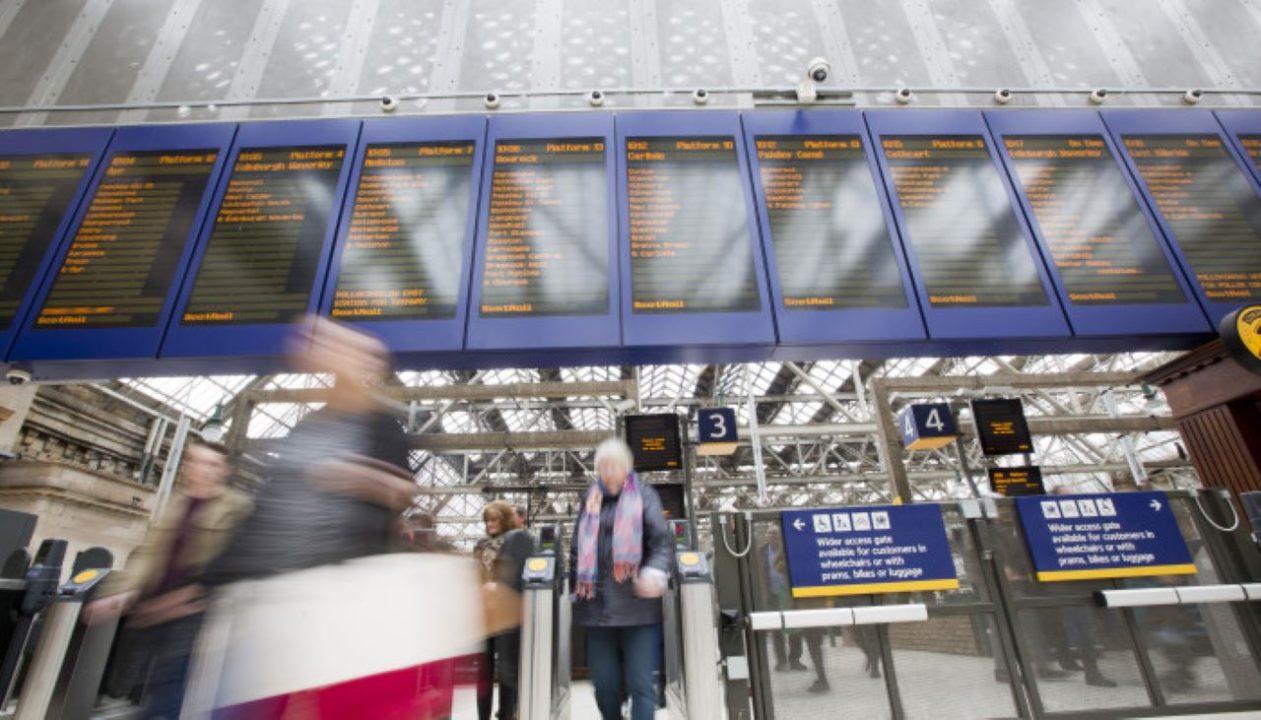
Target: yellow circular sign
point(1240, 332)
point(85, 576)
point(689, 559)
point(1248, 325)
point(537, 564)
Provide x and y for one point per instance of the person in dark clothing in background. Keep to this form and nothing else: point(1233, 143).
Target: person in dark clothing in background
point(501, 557)
point(620, 558)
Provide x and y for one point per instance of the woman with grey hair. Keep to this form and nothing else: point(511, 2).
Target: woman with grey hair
point(619, 561)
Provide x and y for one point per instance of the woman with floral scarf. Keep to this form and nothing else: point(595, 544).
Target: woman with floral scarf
point(619, 561)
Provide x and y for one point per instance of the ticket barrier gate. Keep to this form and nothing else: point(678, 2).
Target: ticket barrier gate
point(36, 590)
point(691, 660)
point(543, 683)
point(1003, 644)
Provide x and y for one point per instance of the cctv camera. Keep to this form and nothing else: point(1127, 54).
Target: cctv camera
point(1193, 96)
point(389, 103)
point(903, 96)
point(596, 98)
point(1098, 96)
point(701, 96)
point(1003, 96)
point(819, 69)
point(491, 101)
point(17, 377)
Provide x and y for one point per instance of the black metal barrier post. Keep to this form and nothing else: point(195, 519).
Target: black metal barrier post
point(732, 543)
point(39, 589)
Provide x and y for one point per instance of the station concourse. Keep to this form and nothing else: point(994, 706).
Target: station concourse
point(704, 359)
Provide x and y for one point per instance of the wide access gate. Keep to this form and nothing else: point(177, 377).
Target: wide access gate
point(1002, 644)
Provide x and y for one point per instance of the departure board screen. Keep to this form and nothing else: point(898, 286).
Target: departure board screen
point(405, 244)
point(959, 221)
point(264, 251)
point(35, 192)
point(1252, 146)
point(1001, 426)
point(1017, 481)
point(831, 243)
point(1103, 246)
point(547, 231)
point(689, 232)
point(1209, 206)
point(654, 441)
point(126, 251)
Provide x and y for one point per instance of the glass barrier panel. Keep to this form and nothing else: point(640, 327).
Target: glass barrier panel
point(1199, 653)
point(969, 646)
point(826, 673)
point(1082, 658)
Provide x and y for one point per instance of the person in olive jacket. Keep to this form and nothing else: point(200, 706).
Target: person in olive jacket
point(619, 563)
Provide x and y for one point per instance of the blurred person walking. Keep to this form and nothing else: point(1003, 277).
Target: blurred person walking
point(158, 590)
point(501, 557)
point(619, 560)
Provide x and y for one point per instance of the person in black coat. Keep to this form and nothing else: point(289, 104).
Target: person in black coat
point(620, 558)
point(501, 557)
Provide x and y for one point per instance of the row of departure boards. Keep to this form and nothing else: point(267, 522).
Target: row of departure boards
point(572, 238)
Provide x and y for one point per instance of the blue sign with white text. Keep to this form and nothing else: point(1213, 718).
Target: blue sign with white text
point(861, 551)
point(716, 425)
point(1113, 535)
point(927, 426)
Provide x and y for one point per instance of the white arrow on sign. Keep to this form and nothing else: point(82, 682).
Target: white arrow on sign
point(1155, 505)
point(799, 524)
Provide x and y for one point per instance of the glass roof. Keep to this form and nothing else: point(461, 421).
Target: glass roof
point(667, 384)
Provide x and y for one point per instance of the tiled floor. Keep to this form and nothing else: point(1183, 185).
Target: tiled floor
point(582, 705)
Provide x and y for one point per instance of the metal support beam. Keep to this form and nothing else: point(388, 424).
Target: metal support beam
point(617, 388)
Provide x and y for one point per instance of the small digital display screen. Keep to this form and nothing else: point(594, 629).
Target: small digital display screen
point(125, 253)
point(690, 250)
point(970, 248)
point(264, 251)
point(1213, 212)
point(1252, 146)
point(1014, 482)
point(1001, 426)
point(35, 193)
point(832, 246)
point(405, 244)
point(1104, 248)
point(654, 441)
point(547, 232)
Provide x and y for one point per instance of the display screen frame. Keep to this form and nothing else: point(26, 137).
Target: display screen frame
point(526, 334)
point(1118, 320)
point(743, 336)
point(830, 327)
point(1242, 122)
point(1185, 122)
point(258, 346)
point(87, 141)
point(966, 323)
point(415, 335)
point(125, 345)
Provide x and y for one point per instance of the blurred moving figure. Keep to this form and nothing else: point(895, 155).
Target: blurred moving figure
point(501, 557)
point(340, 479)
point(619, 560)
point(315, 618)
point(159, 588)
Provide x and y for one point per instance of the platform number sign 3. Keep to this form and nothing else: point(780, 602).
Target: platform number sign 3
point(927, 426)
point(716, 431)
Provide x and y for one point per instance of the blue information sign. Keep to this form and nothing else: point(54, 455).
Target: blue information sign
point(861, 551)
point(927, 426)
point(1086, 537)
point(716, 425)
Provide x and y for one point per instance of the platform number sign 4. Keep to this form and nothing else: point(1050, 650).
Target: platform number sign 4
point(927, 426)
